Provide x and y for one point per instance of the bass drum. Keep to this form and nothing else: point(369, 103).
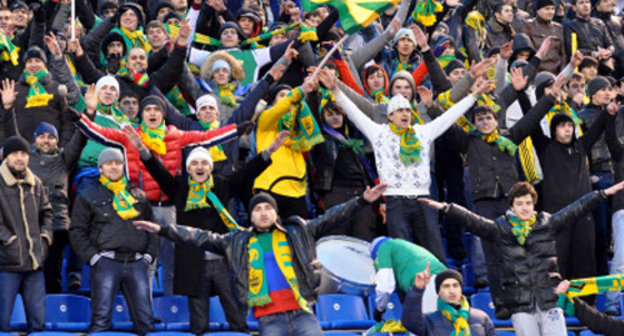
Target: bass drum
point(347, 266)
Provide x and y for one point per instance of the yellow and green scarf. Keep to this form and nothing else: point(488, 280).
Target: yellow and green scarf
point(589, 286)
point(416, 116)
point(8, 51)
point(390, 326)
point(258, 285)
point(139, 78)
point(521, 228)
point(326, 97)
point(459, 318)
point(175, 97)
point(304, 130)
point(123, 202)
point(196, 199)
point(409, 150)
point(425, 12)
point(476, 21)
point(380, 96)
point(216, 152)
point(504, 144)
point(134, 39)
point(445, 102)
point(226, 94)
point(113, 111)
point(402, 66)
point(308, 33)
point(37, 95)
point(444, 60)
point(154, 138)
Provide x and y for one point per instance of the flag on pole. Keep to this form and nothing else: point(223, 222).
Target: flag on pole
point(354, 14)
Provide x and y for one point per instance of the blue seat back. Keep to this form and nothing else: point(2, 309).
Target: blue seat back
point(340, 307)
point(67, 308)
point(171, 308)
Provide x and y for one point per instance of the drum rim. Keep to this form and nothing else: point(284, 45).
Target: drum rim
point(331, 274)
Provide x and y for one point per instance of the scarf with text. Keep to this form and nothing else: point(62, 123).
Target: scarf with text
point(589, 286)
point(304, 130)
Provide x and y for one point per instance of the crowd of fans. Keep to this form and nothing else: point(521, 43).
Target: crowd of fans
point(143, 130)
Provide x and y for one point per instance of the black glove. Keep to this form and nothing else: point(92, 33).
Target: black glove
point(242, 127)
point(377, 314)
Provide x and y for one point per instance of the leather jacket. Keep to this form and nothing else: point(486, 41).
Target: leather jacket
point(537, 30)
point(301, 235)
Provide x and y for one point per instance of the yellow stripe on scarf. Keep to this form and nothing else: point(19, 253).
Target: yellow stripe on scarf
point(122, 200)
point(283, 257)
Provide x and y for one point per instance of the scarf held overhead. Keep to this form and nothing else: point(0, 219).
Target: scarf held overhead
point(304, 130)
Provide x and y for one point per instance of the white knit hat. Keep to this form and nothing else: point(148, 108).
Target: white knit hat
point(404, 32)
point(199, 153)
point(206, 100)
point(106, 80)
point(398, 102)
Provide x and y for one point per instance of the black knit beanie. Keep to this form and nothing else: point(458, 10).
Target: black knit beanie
point(15, 144)
point(262, 197)
point(596, 84)
point(448, 274)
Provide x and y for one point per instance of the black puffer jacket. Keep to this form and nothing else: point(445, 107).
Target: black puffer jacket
point(96, 227)
point(529, 272)
point(301, 235)
point(25, 222)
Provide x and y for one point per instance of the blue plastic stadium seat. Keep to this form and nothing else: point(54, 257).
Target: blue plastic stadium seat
point(67, 312)
point(226, 333)
point(18, 317)
point(84, 280)
point(589, 333)
point(342, 311)
point(469, 278)
point(252, 321)
point(7, 334)
point(169, 333)
point(157, 283)
point(217, 315)
point(173, 312)
point(483, 301)
point(506, 333)
point(121, 319)
point(52, 333)
point(111, 333)
point(394, 308)
point(338, 333)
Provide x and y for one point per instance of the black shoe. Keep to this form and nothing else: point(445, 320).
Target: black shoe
point(481, 283)
point(502, 314)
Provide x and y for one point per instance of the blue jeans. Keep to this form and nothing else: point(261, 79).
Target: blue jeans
point(32, 287)
point(617, 264)
point(409, 219)
point(107, 277)
point(290, 323)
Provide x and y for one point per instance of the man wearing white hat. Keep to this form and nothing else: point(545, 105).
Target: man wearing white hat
point(402, 155)
point(200, 201)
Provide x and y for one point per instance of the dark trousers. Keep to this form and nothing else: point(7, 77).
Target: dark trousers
point(409, 219)
point(363, 226)
point(602, 216)
point(576, 248)
point(215, 279)
point(107, 277)
point(31, 285)
point(54, 262)
point(290, 206)
point(492, 208)
point(450, 177)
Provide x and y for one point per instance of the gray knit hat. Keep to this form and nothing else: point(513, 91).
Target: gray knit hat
point(110, 154)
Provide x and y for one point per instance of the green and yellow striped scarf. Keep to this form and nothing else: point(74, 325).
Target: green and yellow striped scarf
point(521, 228)
point(226, 94)
point(459, 318)
point(8, 51)
point(113, 111)
point(37, 95)
point(409, 150)
point(425, 12)
point(504, 144)
point(589, 286)
point(196, 199)
point(303, 128)
point(154, 138)
point(216, 152)
point(123, 202)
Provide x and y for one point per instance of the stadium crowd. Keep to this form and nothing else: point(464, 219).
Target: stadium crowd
point(218, 140)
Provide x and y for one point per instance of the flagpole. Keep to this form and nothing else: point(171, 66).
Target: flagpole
point(73, 19)
point(327, 56)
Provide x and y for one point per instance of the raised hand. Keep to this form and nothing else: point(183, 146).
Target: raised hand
point(518, 80)
point(291, 53)
point(423, 278)
point(577, 58)
point(395, 25)
point(371, 195)
point(74, 46)
point(328, 80)
point(613, 108)
point(185, 32)
point(309, 84)
point(91, 99)
point(481, 68)
point(278, 142)
point(482, 86)
point(8, 93)
point(426, 95)
point(421, 38)
point(432, 204)
point(277, 71)
point(217, 5)
point(146, 226)
point(52, 44)
point(543, 49)
point(506, 50)
point(562, 288)
point(134, 137)
point(555, 90)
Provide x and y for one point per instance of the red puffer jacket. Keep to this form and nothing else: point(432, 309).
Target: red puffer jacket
point(175, 140)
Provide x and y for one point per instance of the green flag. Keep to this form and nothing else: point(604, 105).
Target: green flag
point(354, 14)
